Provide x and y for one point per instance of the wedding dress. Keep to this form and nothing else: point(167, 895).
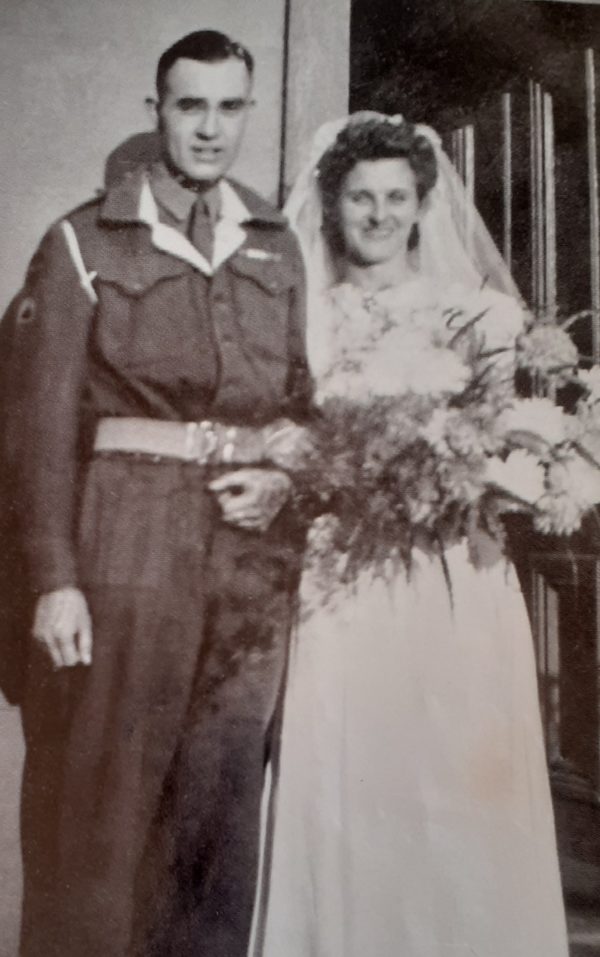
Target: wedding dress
point(412, 809)
point(413, 815)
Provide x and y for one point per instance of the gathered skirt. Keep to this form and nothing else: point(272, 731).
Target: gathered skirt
point(413, 815)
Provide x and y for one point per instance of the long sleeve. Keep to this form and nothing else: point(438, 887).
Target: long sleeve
point(52, 329)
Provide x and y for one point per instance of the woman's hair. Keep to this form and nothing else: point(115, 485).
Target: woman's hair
point(371, 139)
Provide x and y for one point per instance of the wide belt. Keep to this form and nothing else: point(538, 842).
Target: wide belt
point(206, 443)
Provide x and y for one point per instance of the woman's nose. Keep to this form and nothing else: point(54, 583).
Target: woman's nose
point(379, 209)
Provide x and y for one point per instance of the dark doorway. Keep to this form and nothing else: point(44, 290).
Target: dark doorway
point(448, 62)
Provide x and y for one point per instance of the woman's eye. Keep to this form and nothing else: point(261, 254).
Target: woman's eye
point(359, 198)
point(398, 196)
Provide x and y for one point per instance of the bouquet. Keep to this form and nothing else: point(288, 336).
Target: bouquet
point(423, 441)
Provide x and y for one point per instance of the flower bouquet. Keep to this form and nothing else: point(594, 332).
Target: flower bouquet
point(422, 439)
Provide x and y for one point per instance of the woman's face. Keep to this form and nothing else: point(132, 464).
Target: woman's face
point(378, 206)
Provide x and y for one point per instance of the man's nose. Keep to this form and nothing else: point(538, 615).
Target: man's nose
point(208, 124)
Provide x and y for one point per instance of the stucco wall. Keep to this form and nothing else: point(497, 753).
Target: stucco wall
point(318, 71)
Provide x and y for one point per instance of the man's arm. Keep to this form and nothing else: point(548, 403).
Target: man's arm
point(52, 329)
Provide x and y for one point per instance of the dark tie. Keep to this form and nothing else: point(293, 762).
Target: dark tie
point(200, 229)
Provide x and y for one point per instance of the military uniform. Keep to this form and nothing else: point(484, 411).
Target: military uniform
point(144, 772)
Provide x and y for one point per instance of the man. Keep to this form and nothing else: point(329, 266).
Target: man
point(162, 364)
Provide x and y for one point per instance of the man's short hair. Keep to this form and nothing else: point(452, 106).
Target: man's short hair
point(207, 46)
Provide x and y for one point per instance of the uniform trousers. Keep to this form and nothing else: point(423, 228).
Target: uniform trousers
point(143, 778)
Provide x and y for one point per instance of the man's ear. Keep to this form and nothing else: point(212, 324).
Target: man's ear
point(151, 105)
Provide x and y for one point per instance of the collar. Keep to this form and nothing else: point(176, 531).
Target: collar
point(239, 204)
point(229, 232)
point(176, 198)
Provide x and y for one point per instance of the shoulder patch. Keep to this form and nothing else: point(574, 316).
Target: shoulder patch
point(26, 312)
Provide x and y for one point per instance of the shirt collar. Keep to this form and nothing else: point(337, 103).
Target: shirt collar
point(233, 208)
point(239, 204)
point(169, 194)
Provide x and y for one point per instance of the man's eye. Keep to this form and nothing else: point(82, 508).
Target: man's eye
point(398, 196)
point(190, 106)
point(232, 106)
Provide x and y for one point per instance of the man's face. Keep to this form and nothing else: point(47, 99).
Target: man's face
point(202, 116)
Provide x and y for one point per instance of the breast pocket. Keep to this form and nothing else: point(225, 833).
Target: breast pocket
point(145, 314)
point(262, 291)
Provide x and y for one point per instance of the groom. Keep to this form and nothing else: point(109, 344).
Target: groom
point(161, 340)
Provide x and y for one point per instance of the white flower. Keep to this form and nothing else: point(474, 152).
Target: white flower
point(557, 515)
point(436, 430)
point(591, 380)
point(538, 417)
point(450, 433)
point(548, 350)
point(396, 364)
point(502, 317)
point(442, 372)
point(521, 475)
point(573, 488)
point(576, 477)
point(404, 363)
point(349, 299)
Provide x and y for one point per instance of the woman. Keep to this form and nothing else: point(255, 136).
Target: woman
point(413, 812)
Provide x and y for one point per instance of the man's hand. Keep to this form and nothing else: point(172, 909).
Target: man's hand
point(62, 624)
point(251, 498)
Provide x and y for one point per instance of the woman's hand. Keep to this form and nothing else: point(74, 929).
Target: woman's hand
point(289, 446)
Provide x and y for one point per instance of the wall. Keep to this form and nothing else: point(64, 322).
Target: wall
point(73, 77)
point(318, 71)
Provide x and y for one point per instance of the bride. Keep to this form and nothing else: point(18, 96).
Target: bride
point(412, 814)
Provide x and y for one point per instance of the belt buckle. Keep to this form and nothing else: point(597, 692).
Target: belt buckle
point(201, 441)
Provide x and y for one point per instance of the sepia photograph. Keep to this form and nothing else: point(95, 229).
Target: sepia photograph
point(300, 478)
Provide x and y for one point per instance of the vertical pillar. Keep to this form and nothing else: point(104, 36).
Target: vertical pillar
point(507, 174)
point(463, 157)
point(539, 197)
point(535, 252)
point(550, 206)
point(316, 76)
point(590, 87)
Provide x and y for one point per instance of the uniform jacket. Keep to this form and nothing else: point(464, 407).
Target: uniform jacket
point(121, 315)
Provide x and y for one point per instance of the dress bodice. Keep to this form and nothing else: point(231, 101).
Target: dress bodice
point(390, 341)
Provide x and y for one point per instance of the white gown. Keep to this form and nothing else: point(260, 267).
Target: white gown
point(413, 814)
